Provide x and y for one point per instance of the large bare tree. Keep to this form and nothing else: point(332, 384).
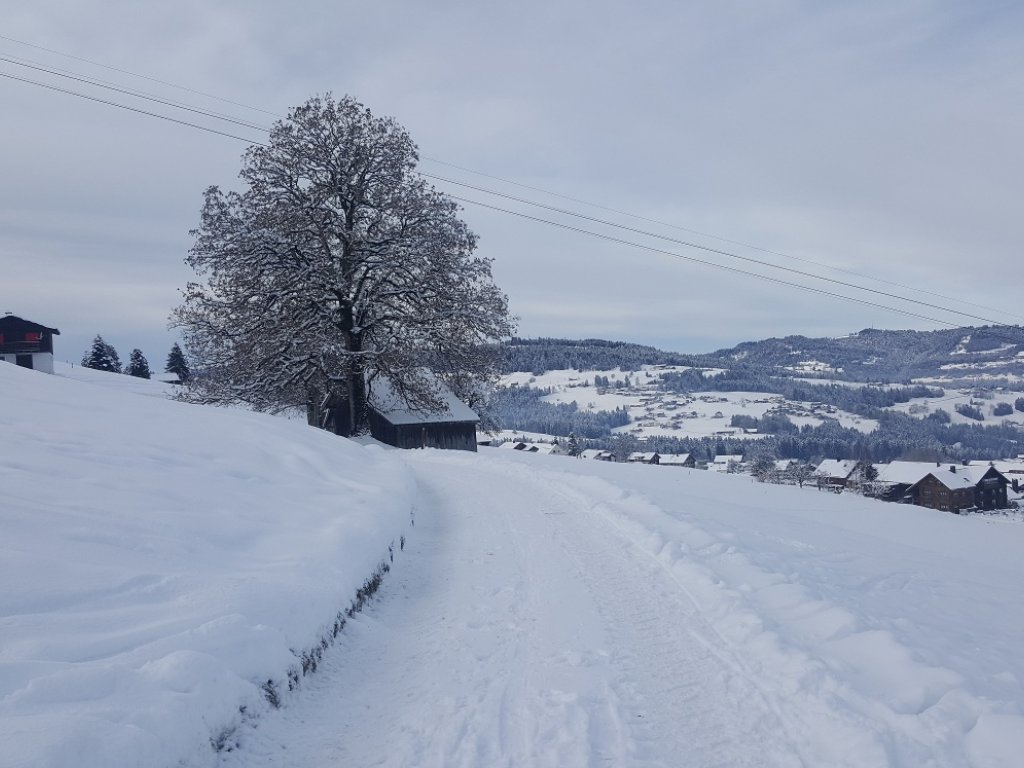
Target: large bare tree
point(336, 264)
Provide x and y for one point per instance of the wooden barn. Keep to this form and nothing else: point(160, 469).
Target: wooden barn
point(393, 422)
point(27, 344)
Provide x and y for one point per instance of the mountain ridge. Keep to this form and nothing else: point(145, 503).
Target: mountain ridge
point(869, 355)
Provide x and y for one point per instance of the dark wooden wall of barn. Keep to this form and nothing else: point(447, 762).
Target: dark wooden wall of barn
point(458, 436)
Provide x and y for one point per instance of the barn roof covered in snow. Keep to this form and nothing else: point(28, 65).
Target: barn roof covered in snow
point(389, 404)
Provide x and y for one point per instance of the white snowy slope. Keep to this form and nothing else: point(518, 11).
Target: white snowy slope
point(556, 612)
point(160, 561)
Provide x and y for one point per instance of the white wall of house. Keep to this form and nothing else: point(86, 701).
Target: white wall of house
point(41, 361)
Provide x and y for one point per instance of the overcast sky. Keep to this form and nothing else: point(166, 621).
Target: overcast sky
point(883, 139)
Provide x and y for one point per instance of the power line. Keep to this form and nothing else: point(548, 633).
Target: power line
point(705, 262)
point(563, 211)
point(709, 249)
point(136, 94)
point(552, 208)
point(130, 109)
point(663, 223)
point(136, 74)
point(581, 201)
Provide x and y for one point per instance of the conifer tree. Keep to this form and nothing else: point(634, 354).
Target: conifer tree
point(177, 364)
point(102, 357)
point(138, 365)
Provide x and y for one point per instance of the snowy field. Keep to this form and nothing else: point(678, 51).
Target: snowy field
point(654, 413)
point(984, 400)
point(160, 561)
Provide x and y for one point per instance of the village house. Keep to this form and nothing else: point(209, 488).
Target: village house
point(27, 344)
point(945, 490)
point(896, 478)
point(947, 487)
point(597, 454)
point(836, 473)
point(954, 488)
point(552, 449)
point(514, 445)
point(726, 462)
point(677, 460)
point(643, 457)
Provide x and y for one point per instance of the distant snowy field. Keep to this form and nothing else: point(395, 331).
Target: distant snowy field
point(922, 406)
point(159, 561)
point(654, 413)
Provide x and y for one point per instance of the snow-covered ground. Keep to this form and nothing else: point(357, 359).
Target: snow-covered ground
point(159, 562)
point(560, 612)
point(545, 611)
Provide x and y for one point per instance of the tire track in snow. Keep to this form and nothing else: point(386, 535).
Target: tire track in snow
point(466, 658)
point(689, 704)
point(682, 698)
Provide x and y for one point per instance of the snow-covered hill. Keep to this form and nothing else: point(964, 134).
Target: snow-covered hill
point(159, 562)
point(158, 559)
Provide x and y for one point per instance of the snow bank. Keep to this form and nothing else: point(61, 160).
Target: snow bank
point(161, 561)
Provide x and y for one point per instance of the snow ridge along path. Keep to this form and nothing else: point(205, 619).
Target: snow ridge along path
point(544, 617)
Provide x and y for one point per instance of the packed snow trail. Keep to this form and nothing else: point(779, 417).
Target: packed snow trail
point(521, 626)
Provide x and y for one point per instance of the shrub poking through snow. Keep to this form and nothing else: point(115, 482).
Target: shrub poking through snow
point(309, 660)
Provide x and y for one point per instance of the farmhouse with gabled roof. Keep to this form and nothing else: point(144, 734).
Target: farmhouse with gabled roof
point(27, 344)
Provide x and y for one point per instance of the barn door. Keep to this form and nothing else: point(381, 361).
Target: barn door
point(25, 361)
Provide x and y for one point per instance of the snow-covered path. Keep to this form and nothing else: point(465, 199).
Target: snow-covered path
point(534, 631)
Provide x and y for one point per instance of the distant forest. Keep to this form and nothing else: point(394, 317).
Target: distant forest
point(540, 355)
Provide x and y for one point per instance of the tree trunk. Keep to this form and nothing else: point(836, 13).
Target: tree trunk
point(358, 416)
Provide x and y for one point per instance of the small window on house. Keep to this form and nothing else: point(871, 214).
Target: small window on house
point(31, 336)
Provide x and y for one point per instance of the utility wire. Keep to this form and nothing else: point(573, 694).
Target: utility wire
point(136, 74)
point(525, 201)
point(136, 94)
point(566, 212)
point(705, 262)
point(130, 109)
point(709, 249)
point(581, 201)
point(663, 223)
point(524, 186)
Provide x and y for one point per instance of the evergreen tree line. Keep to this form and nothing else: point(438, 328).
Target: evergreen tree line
point(103, 357)
point(544, 354)
point(898, 437)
